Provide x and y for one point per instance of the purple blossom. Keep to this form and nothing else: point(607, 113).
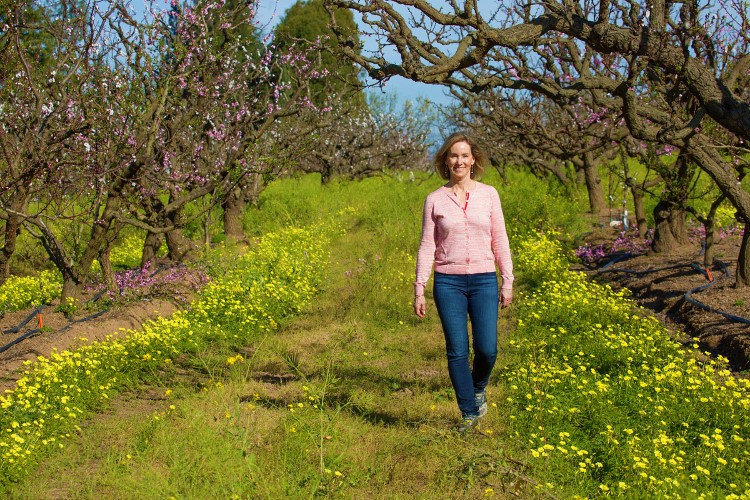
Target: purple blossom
point(626, 242)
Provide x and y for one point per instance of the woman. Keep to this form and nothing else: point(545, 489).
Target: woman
point(463, 236)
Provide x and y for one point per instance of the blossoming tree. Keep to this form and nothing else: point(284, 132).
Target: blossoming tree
point(137, 119)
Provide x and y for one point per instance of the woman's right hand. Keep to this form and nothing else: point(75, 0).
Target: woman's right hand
point(420, 306)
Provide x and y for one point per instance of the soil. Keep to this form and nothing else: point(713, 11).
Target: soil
point(59, 332)
point(658, 282)
point(676, 288)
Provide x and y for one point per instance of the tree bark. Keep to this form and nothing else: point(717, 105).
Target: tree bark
point(151, 246)
point(709, 225)
point(709, 250)
point(597, 203)
point(235, 203)
point(670, 231)
point(108, 272)
point(639, 209)
point(71, 293)
point(234, 207)
point(12, 230)
point(742, 276)
point(179, 248)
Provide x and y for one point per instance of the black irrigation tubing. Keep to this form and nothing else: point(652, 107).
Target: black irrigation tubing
point(605, 268)
point(731, 317)
point(23, 323)
point(17, 328)
point(19, 339)
point(37, 330)
point(39, 309)
point(87, 318)
point(688, 295)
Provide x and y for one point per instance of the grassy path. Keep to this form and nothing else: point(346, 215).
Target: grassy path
point(351, 398)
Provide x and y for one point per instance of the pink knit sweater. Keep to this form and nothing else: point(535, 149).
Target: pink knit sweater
point(463, 240)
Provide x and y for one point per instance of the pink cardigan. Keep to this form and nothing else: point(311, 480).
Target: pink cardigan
point(463, 240)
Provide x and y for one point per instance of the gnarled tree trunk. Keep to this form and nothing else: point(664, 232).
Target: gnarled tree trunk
point(639, 209)
point(108, 272)
point(670, 230)
point(151, 246)
point(11, 231)
point(743, 261)
point(236, 201)
point(597, 203)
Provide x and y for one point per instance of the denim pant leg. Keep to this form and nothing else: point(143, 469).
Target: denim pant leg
point(483, 307)
point(456, 297)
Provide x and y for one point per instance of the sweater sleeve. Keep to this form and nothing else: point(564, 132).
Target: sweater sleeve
point(500, 244)
point(426, 253)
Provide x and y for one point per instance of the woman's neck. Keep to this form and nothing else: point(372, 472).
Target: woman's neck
point(462, 185)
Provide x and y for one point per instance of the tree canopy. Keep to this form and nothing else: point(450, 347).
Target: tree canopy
point(306, 23)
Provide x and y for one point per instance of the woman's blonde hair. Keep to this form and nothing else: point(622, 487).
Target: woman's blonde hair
point(442, 155)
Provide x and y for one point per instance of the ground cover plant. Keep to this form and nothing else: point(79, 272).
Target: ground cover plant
point(351, 396)
point(601, 389)
point(55, 392)
point(21, 292)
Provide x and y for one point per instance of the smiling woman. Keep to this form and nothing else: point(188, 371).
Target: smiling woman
point(463, 238)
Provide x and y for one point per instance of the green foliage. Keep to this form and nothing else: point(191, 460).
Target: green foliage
point(68, 307)
point(531, 205)
point(298, 201)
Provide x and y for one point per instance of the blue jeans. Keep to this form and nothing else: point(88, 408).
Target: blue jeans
point(475, 295)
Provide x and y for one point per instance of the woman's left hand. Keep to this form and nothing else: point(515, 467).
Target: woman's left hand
point(505, 297)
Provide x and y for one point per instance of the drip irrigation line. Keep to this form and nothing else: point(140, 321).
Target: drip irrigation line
point(19, 339)
point(23, 323)
point(688, 295)
point(97, 296)
point(87, 318)
point(729, 316)
point(38, 330)
point(606, 267)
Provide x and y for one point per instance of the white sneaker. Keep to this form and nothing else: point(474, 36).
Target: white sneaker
point(481, 399)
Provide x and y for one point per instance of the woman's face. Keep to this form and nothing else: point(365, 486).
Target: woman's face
point(460, 161)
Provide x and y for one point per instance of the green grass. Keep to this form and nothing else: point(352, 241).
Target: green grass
point(382, 425)
point(351, 396)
